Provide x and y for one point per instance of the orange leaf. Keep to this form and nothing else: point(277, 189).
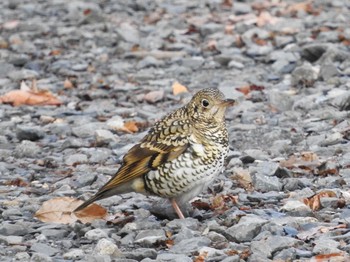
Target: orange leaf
point(201, 257)
point(328, 257)
point(68, 84)
point(60, 210)
point(244, 89)
point(29, 96)
point(131, 127)
point(178, 88)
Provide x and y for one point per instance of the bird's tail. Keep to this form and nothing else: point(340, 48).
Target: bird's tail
point(96, 197)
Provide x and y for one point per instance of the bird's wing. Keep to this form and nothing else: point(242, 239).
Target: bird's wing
point(164, 142)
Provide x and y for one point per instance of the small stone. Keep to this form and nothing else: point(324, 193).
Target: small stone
point(16, 229)
point(22, 256)
point(211, 28)
point(18, 75)
point(76, 159)
point(107, 247)
point(167, 257)
point(326, 246)
point(80, 67)
point(247, 228)
point(148, 238)
point(187, 246)
point(96, 234)
point(29, 133)
point(296, 208)
point(154, 96)
point(87, 130)
point(39, 257)
point(305, 75)
point(128, 33)
point(14, 240)
point(27, 149)
point(44, 249)
point(141, 253)
point(74, 254)
point(328, 71)
point(265, 183)
point(272, 244)
point(103, 137)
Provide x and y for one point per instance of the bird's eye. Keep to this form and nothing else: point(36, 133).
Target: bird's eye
point(205, 103)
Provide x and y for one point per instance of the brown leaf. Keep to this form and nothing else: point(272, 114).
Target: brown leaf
point(60, 210)
point(244, 89)
point(314, 202)
point(55, 52)
point(29, 96)
point(131, 126)
point(309, 156)
point(243, 178)
point(68, 84)
point(16, 182)
point(201, 257)
point(266, 18)
point(201, 205)
point(329, 257)
point(178, 88)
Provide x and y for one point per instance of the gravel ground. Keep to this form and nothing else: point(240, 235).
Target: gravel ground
point(284, 195)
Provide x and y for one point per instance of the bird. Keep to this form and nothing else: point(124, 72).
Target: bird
point(179, 156)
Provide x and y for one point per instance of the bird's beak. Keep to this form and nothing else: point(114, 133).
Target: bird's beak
point(227, 103)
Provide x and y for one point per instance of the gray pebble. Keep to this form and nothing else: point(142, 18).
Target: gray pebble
point(44, 249)
point(247, 228)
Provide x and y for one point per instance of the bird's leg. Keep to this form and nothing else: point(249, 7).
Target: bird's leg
point(176, 208)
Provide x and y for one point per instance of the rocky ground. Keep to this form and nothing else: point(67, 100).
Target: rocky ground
point(284, 195)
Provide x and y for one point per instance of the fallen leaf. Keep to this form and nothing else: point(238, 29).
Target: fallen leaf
point(131, 127)
point(201, 205)
point(243, 178)
point(60, 210)
point(244, 89)
point(29, 96)
point(201, 257)
point(16, 182)
point(329, 257)
point(68, 84)
point(178, 88)
point(266, 18)
point(55, 52)
point(314, 202)
point(309, 156)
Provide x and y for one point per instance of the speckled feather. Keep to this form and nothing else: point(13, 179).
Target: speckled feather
point(179, 156)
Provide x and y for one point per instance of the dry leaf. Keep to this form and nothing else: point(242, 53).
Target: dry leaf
point(29, 96)
point(68, 84)
point(305, 160)
point(309, 156)
point(329, 257)
point(243, 178)
point(265, 18)
point(55, 52)
point(201, 257)
point(314, 202)
point(244, 89)
point(131, 127)
point(178, 88)
point(60, 210)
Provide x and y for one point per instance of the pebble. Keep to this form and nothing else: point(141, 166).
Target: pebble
point(106, 247)
point(95, 234)
point(247, 228)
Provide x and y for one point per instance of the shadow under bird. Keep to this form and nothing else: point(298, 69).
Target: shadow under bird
point(180, 155)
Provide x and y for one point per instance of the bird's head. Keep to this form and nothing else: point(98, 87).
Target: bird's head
point(209, 105)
